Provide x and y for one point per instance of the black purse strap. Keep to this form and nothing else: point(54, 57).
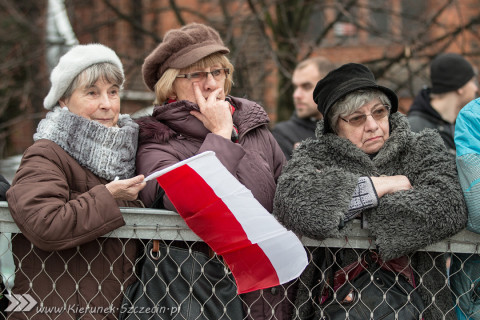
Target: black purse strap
point(371, 258)
point(324, 260)
point(158, 202)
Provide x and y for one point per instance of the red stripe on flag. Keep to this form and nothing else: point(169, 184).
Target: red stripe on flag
point(203, 211)
point(251, 268)
point(186, 190)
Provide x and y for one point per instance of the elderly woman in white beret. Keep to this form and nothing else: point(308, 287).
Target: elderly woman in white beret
point(68, 189)
point(192, 78)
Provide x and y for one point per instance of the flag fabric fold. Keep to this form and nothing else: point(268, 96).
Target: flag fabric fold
point(259, 251)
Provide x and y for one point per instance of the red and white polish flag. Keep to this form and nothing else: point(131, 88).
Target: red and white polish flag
point(259, 251)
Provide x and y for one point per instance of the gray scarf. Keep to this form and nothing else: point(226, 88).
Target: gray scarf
point(107, 152)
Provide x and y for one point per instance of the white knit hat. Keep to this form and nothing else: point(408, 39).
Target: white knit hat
point(72, 63)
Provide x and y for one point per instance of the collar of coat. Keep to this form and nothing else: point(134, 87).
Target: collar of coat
point(170, 120)
point(422, 107)
point(108, 152)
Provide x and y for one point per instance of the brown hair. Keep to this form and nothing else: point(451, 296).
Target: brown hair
point(323, 65)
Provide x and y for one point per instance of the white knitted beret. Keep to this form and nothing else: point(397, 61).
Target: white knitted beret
point(72, 63)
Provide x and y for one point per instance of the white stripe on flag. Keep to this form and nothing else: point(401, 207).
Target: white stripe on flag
point(287, 259)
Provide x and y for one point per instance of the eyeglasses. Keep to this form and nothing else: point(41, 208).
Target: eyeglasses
point(377, 114)
point(217, 74)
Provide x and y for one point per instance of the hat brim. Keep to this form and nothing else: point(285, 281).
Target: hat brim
point(192, 56)
point(153, 71)
point(355, 85)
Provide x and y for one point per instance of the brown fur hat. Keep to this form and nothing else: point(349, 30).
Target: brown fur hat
point(181, 48)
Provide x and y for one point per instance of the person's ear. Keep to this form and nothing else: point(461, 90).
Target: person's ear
point(62, 102)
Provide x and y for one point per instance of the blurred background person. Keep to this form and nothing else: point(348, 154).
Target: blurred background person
point(454, 84)
point(303, 121)
point(65, 194)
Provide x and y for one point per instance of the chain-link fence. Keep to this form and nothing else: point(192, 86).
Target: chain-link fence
point(343, 277)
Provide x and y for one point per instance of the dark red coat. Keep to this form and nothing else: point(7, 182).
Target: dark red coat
point(171, 135)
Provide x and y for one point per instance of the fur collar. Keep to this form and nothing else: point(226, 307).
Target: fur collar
point(399, 140)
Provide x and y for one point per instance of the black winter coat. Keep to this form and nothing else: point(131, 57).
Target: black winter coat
point(293, 131)
point(422, 115)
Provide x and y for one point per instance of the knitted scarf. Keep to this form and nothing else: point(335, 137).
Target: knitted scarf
point(107, 152)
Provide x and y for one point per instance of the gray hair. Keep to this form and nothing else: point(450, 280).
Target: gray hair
point(353, 101)
point(88, 77)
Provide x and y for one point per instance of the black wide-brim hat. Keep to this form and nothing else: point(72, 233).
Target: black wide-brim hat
point(344, 80)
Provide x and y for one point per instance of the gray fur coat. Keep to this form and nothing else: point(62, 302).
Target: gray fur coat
point(316, 186)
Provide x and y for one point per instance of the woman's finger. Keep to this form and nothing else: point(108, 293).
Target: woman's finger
point(212, 97)
point(201, 101)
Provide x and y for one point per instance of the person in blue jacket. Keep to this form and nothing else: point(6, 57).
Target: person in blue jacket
point(465, 269)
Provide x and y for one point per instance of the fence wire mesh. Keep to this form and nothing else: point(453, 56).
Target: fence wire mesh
point(186, 280)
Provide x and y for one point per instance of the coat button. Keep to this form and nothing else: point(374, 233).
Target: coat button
point(274, 291)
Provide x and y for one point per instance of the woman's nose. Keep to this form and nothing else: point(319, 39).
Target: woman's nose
point(105, 101)
point(370, 123)
point(210, 82)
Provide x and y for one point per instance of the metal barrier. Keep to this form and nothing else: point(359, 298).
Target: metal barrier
point(169, 226)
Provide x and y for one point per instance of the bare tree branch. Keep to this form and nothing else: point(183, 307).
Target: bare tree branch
point(266, 37)
point(177, 12)
point(131, 21)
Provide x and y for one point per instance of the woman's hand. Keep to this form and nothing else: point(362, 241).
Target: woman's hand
point(126, 189)
point(216, 115)
point(390, 184)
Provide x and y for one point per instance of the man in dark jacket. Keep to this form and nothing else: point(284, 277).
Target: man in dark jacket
point(453, 86)
point(303, 122)
point(4, 185)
